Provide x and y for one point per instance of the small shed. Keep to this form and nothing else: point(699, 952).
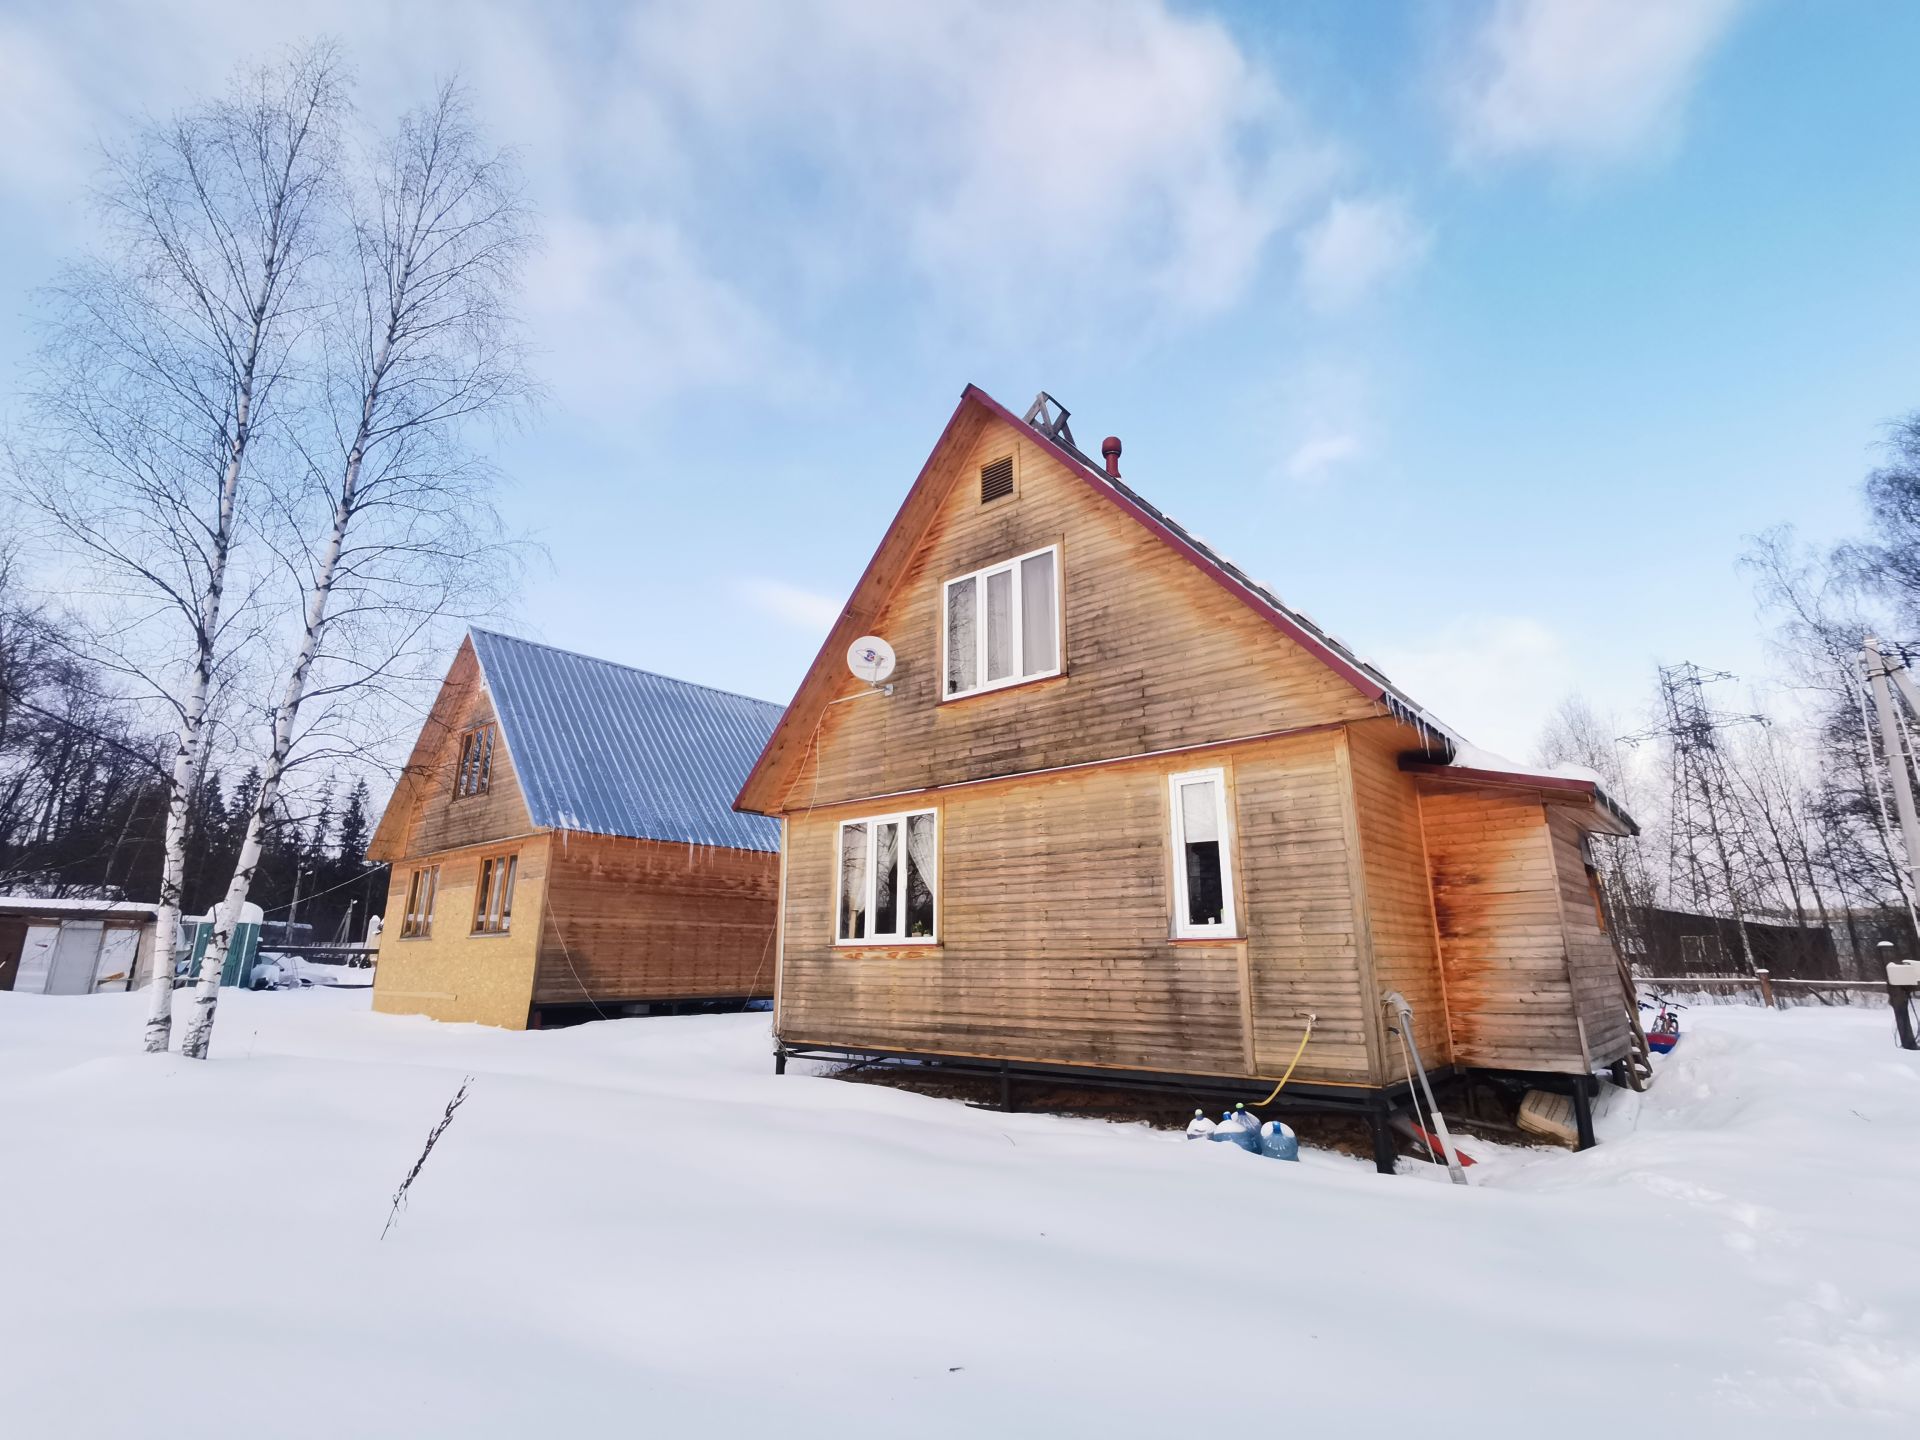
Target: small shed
point(74, 946)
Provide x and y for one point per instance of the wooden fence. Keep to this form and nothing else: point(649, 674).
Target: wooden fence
point(1779, 992)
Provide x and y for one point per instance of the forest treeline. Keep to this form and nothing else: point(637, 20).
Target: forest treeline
point(84, 785)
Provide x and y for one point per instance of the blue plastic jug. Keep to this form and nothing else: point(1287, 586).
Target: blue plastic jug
point(1278, 1142)
point(1239, 1128)
point(1200, 1128)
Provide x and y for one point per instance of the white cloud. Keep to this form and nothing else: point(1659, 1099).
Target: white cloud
point(1093, 151)
point(626, 313)
point(1588, 81)
point(1357, 245)
point(1314, 458)
point(792, 605)
point(1494, 678)
point(1320, 419)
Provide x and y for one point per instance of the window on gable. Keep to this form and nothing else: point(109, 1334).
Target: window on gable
point(417, 919)
point(1202, 856)
point(888, 866)
point(476, 762)
point(1002, 624)
point(493, 897)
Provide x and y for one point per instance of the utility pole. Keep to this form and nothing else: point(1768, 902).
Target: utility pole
point(1699, 844)
point(293, 910)
point(1878, 673)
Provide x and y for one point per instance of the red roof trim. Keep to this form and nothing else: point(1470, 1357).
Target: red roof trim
point(1302, 637)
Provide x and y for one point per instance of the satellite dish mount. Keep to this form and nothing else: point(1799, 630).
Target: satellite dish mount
point(871, 659)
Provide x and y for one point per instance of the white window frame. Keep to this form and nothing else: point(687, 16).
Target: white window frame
point(840, 878)
point(1183, 928)
point(979, 578)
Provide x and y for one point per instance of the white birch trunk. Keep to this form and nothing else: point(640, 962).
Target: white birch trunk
point(166, 929)
point(199, 1036)
point(192, 738)
point(190, 751)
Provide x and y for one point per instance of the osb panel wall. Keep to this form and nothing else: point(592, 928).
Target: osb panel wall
point(1157, 655)
point(1054, 915)
point(453, 974)
point(643, 920)
point(1497, 903)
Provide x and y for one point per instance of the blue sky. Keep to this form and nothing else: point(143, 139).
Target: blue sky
point(1485, 333)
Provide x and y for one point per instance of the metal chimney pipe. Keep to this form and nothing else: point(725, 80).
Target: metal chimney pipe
point(1110, 449)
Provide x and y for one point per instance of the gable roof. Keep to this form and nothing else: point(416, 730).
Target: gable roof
point(612, 750)
point(970, 416)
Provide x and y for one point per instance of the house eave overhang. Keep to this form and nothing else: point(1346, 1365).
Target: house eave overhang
point(1553, 789)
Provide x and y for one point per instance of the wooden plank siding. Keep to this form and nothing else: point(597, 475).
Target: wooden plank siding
point(452, 973)
point(1306, 942)
point(1055, 919)
point(442, 820)
point(1593, 964)
point(1496, 902)
point(645, 920)
point(1399, 895)
point(1156, 655)
point(1055, 883)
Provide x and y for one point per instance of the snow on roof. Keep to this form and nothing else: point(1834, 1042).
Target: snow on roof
point(1472, 757)
point(611, 750)
point(40, 906)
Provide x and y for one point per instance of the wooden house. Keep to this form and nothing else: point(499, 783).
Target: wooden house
point(1121, 813)
point(563, 844)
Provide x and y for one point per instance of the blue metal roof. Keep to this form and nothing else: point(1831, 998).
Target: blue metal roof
point(612, 750)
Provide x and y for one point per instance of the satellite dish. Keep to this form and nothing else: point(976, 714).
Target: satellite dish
point(870, 659)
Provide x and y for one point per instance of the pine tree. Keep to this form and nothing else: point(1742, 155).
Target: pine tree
point(355, 829)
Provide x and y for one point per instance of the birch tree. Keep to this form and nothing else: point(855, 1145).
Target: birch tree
point(164, 356)
point(394, 526)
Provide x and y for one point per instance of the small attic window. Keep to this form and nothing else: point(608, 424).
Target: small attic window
point(475, 773)
point(996, 480)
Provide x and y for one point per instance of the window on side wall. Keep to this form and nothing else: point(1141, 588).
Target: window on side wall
point(1001, 625)
point(476, 762)
point(889, 866)
point(417, 919)
point(493, 897)
point(1202, 856)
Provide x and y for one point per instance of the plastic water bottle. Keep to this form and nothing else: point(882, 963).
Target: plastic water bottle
point(1239, 1128)
point(1278, 1142)
point(1200, 1128)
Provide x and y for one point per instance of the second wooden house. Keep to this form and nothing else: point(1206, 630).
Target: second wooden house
point(1121, 813)
point(563, 844)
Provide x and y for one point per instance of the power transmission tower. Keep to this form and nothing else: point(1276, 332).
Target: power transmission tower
point(1702, 847)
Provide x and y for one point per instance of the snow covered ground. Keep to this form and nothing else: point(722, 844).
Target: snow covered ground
point(634, 1228)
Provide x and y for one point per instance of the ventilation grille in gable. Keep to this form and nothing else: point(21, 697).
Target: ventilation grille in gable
point(996, 480)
